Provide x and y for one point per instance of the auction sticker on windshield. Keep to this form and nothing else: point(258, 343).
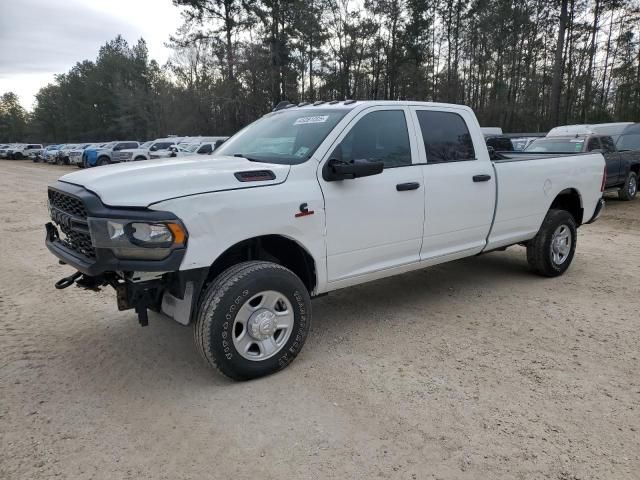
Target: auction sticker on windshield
point(315, 119)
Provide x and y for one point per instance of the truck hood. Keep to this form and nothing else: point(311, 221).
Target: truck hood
point(139, 184)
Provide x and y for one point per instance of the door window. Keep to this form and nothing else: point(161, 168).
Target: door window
point(594, 144)
point(446, 137)
point(607, 144)
point(205, 149)
point(380, 135)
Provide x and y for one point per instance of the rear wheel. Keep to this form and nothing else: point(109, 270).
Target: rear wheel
point(103, 161)
point(630, 188)
point(551, 251)
point(252, 320)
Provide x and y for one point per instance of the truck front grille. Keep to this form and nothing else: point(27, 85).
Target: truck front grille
point(70, 215)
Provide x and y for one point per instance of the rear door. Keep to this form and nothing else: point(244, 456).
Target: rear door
point(460, 182)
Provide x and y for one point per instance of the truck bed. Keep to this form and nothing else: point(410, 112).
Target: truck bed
point(502, 157)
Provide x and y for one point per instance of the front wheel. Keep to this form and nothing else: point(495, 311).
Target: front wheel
point(252, 320)
point(103, 161)
point(630, 188)
point(551, 251)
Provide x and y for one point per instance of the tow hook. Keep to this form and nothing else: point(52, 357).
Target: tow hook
point(82, 281)
point(67, 281)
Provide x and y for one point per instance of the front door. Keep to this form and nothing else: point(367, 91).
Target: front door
point(374, 223)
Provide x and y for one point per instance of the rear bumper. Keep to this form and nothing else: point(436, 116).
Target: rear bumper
point(598, 211)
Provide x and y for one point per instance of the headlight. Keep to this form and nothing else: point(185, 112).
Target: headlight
point(137, 240)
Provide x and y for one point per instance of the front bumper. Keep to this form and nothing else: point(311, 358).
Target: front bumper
point(598, 211)
point(103, 259)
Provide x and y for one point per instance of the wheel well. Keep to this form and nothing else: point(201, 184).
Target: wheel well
point(272, 248)
point(636, 169)
point(570, 201)
point(140, 157)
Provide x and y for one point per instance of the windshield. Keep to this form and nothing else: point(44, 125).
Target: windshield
point(556, 145)
point(287, 137)
point(146, 144)
point(188, 147)
point(630, 141)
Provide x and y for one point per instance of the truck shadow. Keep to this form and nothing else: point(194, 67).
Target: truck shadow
point(142, 361)
point(467, 277)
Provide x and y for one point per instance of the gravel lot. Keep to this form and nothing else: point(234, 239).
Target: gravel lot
point(475, 370)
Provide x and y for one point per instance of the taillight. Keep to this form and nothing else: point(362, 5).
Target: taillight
point(604, 179)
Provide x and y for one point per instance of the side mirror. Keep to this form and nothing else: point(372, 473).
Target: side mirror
point(153, 148)
point(335, 170)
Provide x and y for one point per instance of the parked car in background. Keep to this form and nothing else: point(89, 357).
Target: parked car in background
point(629, 138)
point(307, 191)
point(133, 154)
point(207, 148)
point(158, 148)
point(499, 143)
point(104, 155)
point(614, 130)
point(75, 155)
point(40, 157)
point(24, 150)
point(196, 146)
point(623, 167)
point(51, 156)
point(6, 148)
point(63, 155)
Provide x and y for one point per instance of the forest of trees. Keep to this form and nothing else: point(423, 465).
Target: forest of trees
point(524, 65)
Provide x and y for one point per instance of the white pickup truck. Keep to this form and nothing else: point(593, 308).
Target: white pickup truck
point(306, 200)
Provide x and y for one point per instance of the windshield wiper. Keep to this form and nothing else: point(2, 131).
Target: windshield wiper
point(242, 155)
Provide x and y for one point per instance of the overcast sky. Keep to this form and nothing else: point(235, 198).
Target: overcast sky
point(39, 38)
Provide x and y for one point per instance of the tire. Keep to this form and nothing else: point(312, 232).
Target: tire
point(237, 303)
point(630, 188)
point(103, 161)
point(544, 255)
point(17, 156)
point(139, 159)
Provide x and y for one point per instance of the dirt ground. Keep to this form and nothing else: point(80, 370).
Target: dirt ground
point(473, 370)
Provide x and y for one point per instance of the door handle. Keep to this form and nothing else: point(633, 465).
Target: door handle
point(481, 178)
point(403, 187)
